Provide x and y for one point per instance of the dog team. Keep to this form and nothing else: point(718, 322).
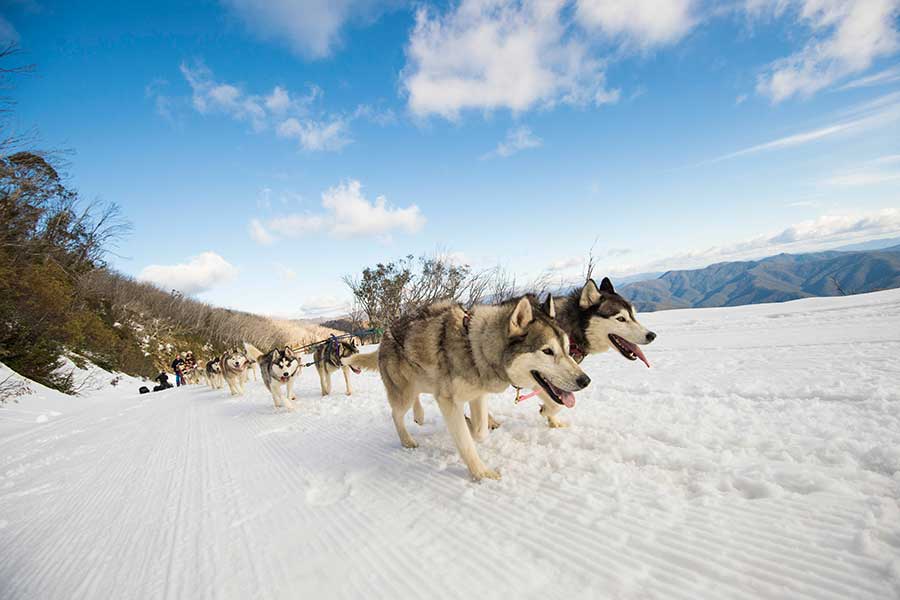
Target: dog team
point(460, 356)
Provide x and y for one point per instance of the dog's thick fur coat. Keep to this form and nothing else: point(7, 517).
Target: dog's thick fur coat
point(460, 356)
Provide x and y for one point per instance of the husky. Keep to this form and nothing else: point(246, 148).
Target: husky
point(214, 374)
point(234, 364)
point(460, 356)
point(329, 357)
point(597, 319)
point(277, 368)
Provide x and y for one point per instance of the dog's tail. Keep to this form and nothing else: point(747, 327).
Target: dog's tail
point(366, 362)
point(252, 351)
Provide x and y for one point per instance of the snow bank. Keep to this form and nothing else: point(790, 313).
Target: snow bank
point(758, 458)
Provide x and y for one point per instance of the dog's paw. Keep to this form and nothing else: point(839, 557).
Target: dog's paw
point(492, 423)
point(555, 423)
point(486, 473)
point(409, 443)
point(349, 393)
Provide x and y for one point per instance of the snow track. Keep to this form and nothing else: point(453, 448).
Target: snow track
point(759, 458)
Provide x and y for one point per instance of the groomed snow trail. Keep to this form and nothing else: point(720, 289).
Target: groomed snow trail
point(758, 458)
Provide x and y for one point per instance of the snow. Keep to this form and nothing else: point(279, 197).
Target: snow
point(758, 458)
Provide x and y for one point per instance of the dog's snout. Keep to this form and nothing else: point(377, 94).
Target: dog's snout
point(583, 382)
point(650, 336)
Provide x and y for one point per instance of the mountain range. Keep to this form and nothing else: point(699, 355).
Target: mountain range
point(774, 279)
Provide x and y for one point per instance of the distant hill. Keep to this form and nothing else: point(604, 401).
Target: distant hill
point(773, 279)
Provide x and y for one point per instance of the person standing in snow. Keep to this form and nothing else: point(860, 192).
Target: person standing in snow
point(178, 367)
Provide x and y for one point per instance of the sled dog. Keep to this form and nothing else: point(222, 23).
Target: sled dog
point(234, 364)
point(277, 368)
point(214, 373)
point(460, 356)
point(597, 319)
point(329, 357)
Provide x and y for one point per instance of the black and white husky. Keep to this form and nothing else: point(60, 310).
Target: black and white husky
point(597, 319)
point(278, 368)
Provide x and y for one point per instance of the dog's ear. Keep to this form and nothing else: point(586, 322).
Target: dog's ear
point(590, 295)
point(607, 286)
point(549, 307)
point(288, 352)
point(521, 316)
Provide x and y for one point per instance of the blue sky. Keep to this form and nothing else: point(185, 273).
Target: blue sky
point(263, 149)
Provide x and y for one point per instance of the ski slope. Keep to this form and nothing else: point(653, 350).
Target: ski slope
point(758, 458)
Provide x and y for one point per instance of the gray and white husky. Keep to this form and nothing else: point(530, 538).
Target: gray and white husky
point(329, 357)
point(461, 356)
point(234, 365)
point(278, 367)
point(597, 319)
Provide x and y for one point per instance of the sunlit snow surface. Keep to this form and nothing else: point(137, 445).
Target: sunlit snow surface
point(758, 458)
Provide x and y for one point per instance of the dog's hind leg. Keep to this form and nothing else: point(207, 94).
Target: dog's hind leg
point(418, 411)
point(346, 371)
point(455, 418)
point(401, 400)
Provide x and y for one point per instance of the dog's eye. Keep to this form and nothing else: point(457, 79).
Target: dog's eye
point(548, 351)
point(621, 319)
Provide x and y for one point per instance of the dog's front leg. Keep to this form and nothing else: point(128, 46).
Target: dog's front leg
point(290, 394)
point(479, 425)
point(276, 394)
point(550, 410)
point(459, 430)
point(346, 371)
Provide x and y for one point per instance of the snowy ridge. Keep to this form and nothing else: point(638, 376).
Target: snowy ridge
point(758, 458)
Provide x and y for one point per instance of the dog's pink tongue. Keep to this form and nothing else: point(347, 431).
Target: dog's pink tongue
point(637, 352)
point(568, 398)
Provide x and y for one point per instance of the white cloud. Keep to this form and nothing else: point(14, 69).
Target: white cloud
point(518, 139)
point(347, 213)
point(354, 215)
point(319, 307)
point(566, 264)
point(847, 36)
point(498, 54)
point(260, 234)
point(311, 28)
point(199, 274)
point(879, 112)
point(643, 23)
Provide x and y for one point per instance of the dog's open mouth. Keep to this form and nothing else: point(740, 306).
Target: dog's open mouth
point(284, 378)
point(627, 349)
point(355, 369)
point(559, 396)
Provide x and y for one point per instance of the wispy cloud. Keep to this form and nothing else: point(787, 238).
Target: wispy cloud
point(878, 171)
point(881, 78)
point(847, 36)
point(518, 139)
point(348, 213)
point(288, 114)
point(864, 118)
point(816, 234)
